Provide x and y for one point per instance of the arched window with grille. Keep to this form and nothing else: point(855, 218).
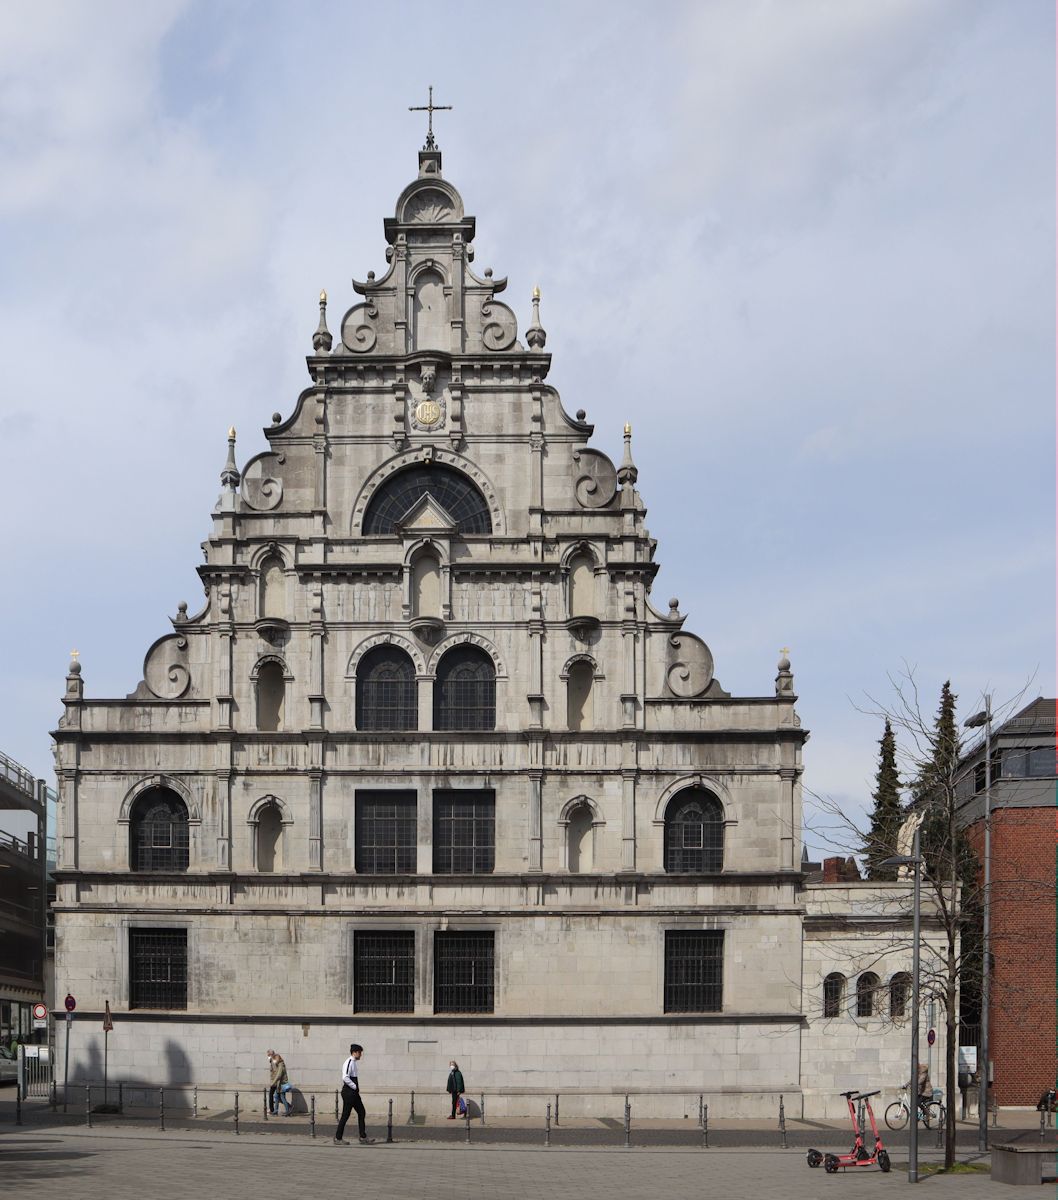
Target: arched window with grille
point(899, 995)
point(833, 994)
point(158, 828)
point(450, 488)
point(694, 833)
point(464, 695)
point(866, 994)
point(386, 692)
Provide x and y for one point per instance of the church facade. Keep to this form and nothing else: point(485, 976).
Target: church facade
point(431, 770)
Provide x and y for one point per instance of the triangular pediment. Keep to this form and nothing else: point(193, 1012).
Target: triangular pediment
point(426, 515)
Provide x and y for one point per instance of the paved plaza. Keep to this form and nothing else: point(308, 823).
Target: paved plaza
point(112, 1164)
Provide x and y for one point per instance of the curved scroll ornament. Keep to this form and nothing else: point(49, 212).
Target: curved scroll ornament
point(165, 669)
point(690, 666)
point(595, 478)
point(500, 328)
point(357, 335)
point(261, 489)
point(428, 207)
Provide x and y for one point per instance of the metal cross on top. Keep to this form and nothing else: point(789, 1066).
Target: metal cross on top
point(430, 108)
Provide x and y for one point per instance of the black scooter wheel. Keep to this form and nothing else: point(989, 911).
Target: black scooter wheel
point(814, 1157)
point(830, 1164)
point(883, 1160)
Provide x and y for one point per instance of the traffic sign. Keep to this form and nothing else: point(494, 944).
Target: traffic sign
point(71, 1003)
point(40, 1012)
point(931, 1037)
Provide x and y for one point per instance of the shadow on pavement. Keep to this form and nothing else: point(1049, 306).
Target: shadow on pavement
point(39, 1158)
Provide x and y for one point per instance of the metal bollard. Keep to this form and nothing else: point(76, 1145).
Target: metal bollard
point(483, 1108)
point(782, 1123)
point(18, 1108)
point(236, 1114)
point(53, 1096)
point(1043, 1126)
point(995, 1113)
point(701, 1105)
point(628, 1123)
point(411, 1114)
point(705, 1127)
point(312, 1115)
point(547, 1127)
point(264, 1106)
point(556, 1108)
point(467, 1119)
point(88, 1105)
point(389, 1123)
point(161, 1109)
point(939, 1142)
point(194, 1103)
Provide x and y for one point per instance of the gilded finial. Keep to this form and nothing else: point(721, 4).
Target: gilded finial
point(321, 339)
point(229, 477)
point(628, 429)
point(536, 292)
point(231, 433)
point(536, 335)
point(323, 295)
point(75, 654)
point(627, 473)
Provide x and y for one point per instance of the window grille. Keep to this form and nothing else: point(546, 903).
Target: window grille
point(383, 971)
point(463, 972)
point(386, 693)
point(833, 995)
point(899, 994)
point(465, 691)
point(694, 833)
point(158, 968)
point(866, 990)
point(386, 834)
point(450, 488)
point(694, 970)
point(159, 833)
point(464, 832)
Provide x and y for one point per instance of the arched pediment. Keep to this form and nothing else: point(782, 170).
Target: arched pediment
point(719, 790)
point(386, 639)
point(575, 802)
point(194, 811)
point(279, 661)
point(263, 802)
point(584, 658)
point(467, 639)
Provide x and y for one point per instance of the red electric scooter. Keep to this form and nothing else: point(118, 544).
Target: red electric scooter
point(859, 1155)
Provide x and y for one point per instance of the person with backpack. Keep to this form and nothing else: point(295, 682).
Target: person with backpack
point(455, 1086)
point(351, 1097)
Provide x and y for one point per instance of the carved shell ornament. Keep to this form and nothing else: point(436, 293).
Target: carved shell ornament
point(595, 478)
point(428, 208)
point(500, 326)
point(165, 669)
point(690, 666)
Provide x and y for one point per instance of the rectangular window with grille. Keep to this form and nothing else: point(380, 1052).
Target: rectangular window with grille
point(463, 972)
point(385, 833)
point(694, 970)
point(383, 971)
point(157, 968)
point(464, 832)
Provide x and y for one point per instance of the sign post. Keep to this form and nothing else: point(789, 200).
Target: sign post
point(108, 1025)
point(71, 1004)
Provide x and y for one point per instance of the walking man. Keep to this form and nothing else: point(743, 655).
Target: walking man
point(351, 1097)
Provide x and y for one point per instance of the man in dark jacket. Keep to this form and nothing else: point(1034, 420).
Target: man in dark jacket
point(455, 1085)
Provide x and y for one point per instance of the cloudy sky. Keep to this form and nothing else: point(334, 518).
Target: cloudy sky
point(806, 247)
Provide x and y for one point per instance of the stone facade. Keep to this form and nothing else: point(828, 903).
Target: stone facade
point(430, 502)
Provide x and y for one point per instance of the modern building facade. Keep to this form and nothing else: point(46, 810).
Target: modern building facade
point(1024, 790)
point(430, 769)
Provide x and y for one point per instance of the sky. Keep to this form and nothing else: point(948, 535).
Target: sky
point(806, 247)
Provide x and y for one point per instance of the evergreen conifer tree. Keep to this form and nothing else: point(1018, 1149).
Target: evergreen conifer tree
point(887, 814)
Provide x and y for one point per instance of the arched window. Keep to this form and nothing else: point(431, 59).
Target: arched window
point(582, 586)
point(580, 844)
point(450, 488)
point(270, 839)
point(426, 586)
point(899, 994)
point(271, 691)
point(386, 694)
point(694, 833)
point(866, 994)
point(431, 313)
point(159, 832)
point(833, 994)
point(464, 695)
point(273, 598)
point(579, 706)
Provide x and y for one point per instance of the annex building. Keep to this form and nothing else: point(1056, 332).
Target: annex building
point(431, 769)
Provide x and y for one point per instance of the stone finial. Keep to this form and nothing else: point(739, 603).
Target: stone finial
point(181, 611)
point(784, 679)
point(74, 682)
point(674, 609)
point(628, 472)
point(536, 335)
point(229, 477)
point(321, 339)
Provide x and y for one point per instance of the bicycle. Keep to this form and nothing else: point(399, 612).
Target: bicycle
point(898, 1113)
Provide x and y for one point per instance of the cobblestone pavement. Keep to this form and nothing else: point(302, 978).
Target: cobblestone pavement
point(119, 1164)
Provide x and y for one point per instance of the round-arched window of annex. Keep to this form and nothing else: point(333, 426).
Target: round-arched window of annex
point(452, 490)
point(159, 832)
point(386, 696)
point(464, 695)
point(694, 833)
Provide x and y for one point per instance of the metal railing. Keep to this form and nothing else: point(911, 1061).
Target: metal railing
point(17, 775)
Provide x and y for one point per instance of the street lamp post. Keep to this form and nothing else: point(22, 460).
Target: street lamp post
point(984, 717)
point(915, 862)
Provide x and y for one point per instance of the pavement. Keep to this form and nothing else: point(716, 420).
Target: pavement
point(51, 1157)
